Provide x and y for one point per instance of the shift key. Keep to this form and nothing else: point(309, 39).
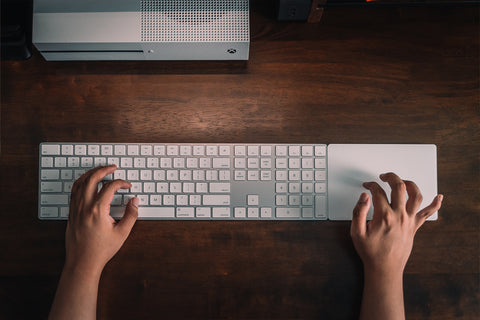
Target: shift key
point(216, 200)
point(52, 199)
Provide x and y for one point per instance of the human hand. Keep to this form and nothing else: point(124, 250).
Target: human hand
point(384, 244)
point(93, 237)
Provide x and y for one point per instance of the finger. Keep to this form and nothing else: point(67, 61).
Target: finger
point(379, 199)
point(92, 178)
point(105, 196)
point(399, 194)
point(415, 197)
point(125, 225)
point(426, 212)
point(358, 226)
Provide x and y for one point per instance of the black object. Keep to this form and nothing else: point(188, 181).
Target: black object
point(14, 43)
point(293, 10)
point(16, 26)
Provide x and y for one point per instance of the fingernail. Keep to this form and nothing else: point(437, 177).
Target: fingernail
point(135, 202)
point(363, 198)
point(440, 197)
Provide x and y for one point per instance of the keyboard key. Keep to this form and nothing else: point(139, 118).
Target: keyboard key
point(240, 151)
point(221, 212)
point(172, 150)
point(253, 163)
point(215, 200)
point(156, 212)
point(252, 212)
point(198, 150)
point(224, 150)
point(49, 212)
point(320, 175)
point(266, 175)
point(93, 150)
point(253, 175)
point(133, 150)
point(240, 212)
point(66, 174)
point(182, 200)
point(252, 199)
point(47, 174)
point(288, 212)
point(294, 151)
point(80, 150)
point(120, 150)
point(320, 163)
point(281, 200)
point(51, 187)
point(266, 150)
point(106, 150)
point(185, 150)
point(159, 150)
point(307, 151)
point(294, 163)
point(212, 151)
point(281, 150)
point(53, 199)
point(67, 150)
point(281, 163)
point(185, 212)
point(320, 187)
point(321, 207)
point(48, 149)
point(221, 163)
point(47, 162)
point(146, 150)
point(73, 162)
point(179, 162)
point(252, 151)
point(219, 187)
point(307, 212)
point(203, 212)
point(307, 163)
point(240, 175)
point(195, 200)
point(266, 212)
point(60, 162)
point(320, 151)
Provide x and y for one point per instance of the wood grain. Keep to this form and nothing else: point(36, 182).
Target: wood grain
point(363, 75)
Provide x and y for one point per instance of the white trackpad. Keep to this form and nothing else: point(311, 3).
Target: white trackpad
point(349, 165)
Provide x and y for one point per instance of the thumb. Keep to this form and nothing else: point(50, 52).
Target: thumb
point(359, 218)
point(125, 225)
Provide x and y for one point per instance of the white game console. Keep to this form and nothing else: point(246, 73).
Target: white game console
point(141, 29)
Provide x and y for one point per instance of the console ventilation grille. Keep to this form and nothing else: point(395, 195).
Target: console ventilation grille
point(195, 21)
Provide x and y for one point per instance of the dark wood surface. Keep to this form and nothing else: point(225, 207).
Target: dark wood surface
point(373, 75)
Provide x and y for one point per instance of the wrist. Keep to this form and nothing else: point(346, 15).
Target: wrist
point(383, 269)
point(83, 270)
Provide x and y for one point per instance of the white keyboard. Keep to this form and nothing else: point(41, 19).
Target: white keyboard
point(194, 181)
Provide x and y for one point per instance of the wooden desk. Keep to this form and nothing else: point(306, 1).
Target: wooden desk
point(381, 75)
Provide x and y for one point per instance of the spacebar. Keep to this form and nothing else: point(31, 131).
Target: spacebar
point(146, 212)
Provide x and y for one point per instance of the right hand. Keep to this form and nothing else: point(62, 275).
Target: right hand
point(384, 244)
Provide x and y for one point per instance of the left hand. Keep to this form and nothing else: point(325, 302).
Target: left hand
point(93, 237)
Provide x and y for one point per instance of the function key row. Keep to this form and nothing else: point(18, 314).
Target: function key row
point(182, 150)
point(280, 150)
point(135, 150)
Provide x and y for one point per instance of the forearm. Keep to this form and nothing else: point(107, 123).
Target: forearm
point(76, 296)
point(383, 297)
